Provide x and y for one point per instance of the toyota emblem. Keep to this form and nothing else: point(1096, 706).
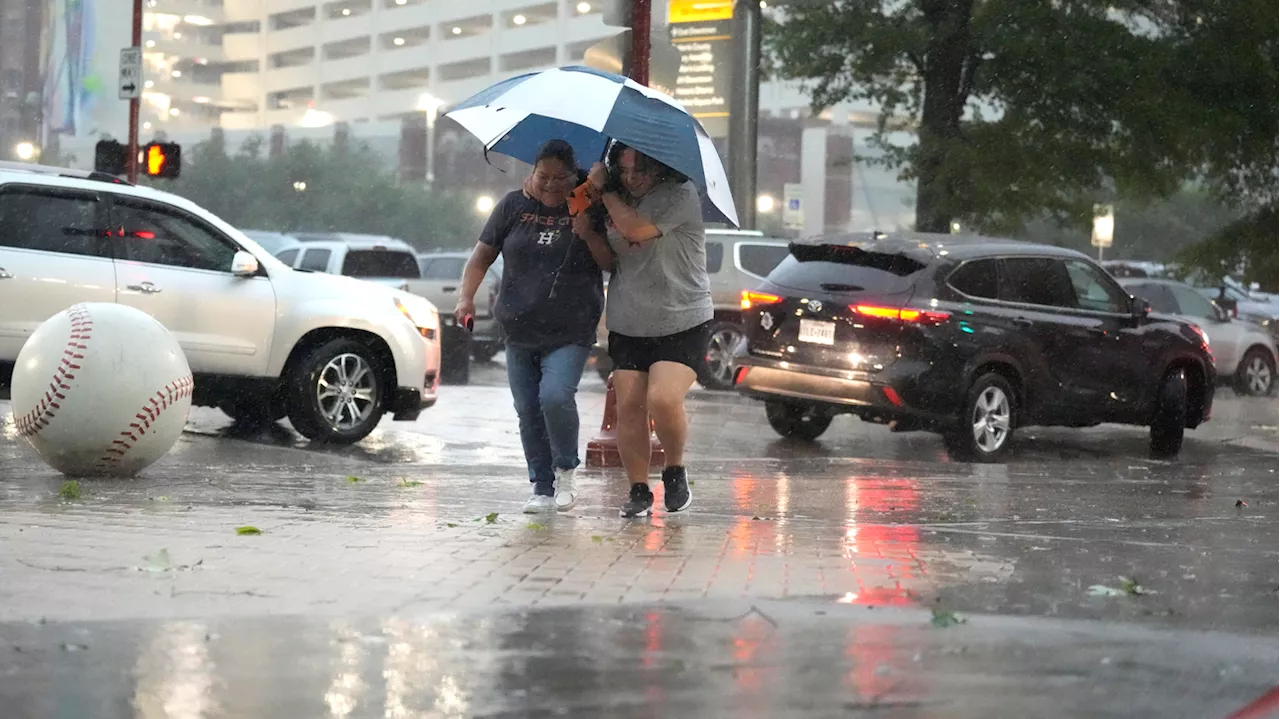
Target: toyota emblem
point(815, 306)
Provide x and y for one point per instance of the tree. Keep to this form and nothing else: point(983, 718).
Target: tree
point(1019, 107)
point(319, 189)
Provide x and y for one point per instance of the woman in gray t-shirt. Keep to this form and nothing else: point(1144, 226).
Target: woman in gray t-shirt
point(658, 313)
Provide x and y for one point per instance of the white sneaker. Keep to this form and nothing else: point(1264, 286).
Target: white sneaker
point(538, 504)
point(566, 490)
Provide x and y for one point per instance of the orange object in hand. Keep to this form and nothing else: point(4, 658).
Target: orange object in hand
point(580, 199)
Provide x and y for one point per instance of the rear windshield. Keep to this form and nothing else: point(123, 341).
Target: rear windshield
point(840, 268)
point(381, 263)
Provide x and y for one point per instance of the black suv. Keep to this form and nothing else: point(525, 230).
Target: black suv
point(970, 337)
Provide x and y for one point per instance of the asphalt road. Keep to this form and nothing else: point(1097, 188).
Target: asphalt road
point(865, 574)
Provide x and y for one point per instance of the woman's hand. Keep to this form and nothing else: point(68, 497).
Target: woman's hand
point(582, 225)
point(598, 176)
point(527, 187)
point(465, 308)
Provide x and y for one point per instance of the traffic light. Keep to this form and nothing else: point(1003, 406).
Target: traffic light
point(155, 159)
point(109, 156)
point(162, 159)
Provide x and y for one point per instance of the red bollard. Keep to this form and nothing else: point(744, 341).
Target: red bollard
point(602, 451)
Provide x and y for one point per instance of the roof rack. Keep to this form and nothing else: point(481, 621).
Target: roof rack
point(62, 172)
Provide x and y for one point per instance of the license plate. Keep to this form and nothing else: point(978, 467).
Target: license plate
point(821, 333)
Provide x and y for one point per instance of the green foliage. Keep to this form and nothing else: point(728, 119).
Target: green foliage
point(1022, 110)
point(344, 192)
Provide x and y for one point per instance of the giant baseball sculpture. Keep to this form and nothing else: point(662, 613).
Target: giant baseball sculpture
point(101, 390)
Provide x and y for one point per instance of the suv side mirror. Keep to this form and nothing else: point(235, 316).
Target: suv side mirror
point(1139, 307)
point(244, 264)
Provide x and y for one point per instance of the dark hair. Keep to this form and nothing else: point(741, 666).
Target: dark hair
point(644, 164)
point(558, 150)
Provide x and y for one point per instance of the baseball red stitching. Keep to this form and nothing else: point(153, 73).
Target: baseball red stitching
point(39, 417)
point(150, 412)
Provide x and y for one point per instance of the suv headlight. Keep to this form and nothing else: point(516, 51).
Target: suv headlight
point(430, 329)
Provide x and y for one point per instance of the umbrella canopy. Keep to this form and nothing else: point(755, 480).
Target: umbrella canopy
point(588, 108)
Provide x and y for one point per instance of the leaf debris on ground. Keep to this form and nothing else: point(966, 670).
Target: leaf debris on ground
point(942, 618)
point(537, 527)
point(1129, 587)
point(352, 479)
point(409, 483)
point(70, 489)
point(491, 517)
point(247, 530)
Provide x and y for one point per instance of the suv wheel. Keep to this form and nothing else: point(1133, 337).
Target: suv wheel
point(723, 344)
point(455, 355)
point(1170, 419)
point(800, 421)
point(336, 392)
point(987, 424)
point(1256, 375)
point(485, 351)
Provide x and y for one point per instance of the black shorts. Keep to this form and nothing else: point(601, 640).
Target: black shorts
point(638, 354)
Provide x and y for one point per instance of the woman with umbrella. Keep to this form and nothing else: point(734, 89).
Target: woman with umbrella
point(549, 303)
point(659, 313)
point(665, 176)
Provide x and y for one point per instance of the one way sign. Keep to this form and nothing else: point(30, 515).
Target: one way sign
point(130, 73)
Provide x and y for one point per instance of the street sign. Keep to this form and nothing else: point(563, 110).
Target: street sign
point(130, 73)
point(1104, 225)
point(792, 206)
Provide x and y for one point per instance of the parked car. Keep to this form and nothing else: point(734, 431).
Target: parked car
point(263, 341)
point(1245, 353)
point(387, 261)
point(441, 282)
point(272, 242)
point(737, 260)
point(969, 337)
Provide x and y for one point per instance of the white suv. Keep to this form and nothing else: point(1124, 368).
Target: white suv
point(264, 342)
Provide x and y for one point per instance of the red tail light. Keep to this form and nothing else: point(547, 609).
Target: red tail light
point(740, 375)
point(751, 299)
point(903, 314)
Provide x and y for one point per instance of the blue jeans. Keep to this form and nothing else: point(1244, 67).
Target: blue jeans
point(544, 384)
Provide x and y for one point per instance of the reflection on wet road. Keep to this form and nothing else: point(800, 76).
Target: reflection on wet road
point(408, 600)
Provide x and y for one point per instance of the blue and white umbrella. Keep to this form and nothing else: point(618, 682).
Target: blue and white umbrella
point(588, 108)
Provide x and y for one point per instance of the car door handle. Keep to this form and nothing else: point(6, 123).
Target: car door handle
point(1022, 321)
point(5, 274)
point(145, 288)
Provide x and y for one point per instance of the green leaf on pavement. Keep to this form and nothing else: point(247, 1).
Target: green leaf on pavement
point(597, 539)
point(537, 527)
point(409, 483)
point(158, 562)
point(943, 619)
point(352, 479)
point(1132, 588)
point(70, 490)
point(450, 525)
point(491, 517)
point(247, 530)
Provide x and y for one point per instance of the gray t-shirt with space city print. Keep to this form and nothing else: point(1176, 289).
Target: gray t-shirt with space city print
point(661, 287)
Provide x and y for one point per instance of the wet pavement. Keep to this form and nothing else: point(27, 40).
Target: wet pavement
point(1088, 575)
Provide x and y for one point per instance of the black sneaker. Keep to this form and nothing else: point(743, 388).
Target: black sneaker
point(640, 504)
point(676, 489)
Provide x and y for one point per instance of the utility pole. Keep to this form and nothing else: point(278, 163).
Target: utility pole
point(134, 102)
point(641, 13)
point(744, 109)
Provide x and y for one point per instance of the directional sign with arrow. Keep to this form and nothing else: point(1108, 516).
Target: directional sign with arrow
point(130, 73)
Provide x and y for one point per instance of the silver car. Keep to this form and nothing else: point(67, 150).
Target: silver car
point(1244, 351)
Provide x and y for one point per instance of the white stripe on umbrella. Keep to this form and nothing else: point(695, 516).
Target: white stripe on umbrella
point(717, 182)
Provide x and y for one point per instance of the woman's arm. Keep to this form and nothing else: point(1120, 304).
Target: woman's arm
point(596, 244)
point(633, 226)
point(478, 264)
